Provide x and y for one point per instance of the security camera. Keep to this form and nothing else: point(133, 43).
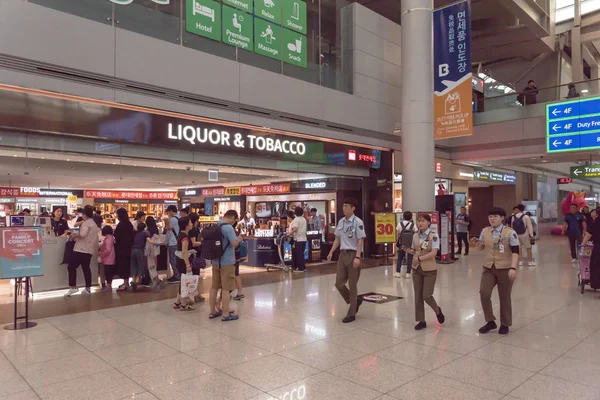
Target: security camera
point(188, 168)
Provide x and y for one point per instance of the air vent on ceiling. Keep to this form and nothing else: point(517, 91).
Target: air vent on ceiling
point(302, 121)
point(255, 111)
point(340, 128)
point(70, 75)
point(204, 101)
point(143, 89)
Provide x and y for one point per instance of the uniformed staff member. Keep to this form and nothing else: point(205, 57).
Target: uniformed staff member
point(349, 237)
point(424, 248)
point(501, 245)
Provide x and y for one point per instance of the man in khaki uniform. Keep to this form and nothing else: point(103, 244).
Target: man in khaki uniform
point(424, 248)
point(349, 237)
point(501, 246)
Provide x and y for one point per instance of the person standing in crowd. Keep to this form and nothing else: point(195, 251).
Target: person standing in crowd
point(463, 221)
point(223, 268)
point(107, 257)
point(184, 265)
point(405, 229)
point(60, 226)
point(521, 224)
point(172, 235)
point(349, 238)
point(86, 244)
point(585, 211)
point(140, 217)
point(574, 225)
point(241, 254)
point(138, 261)
point(248, 221)
point(152, 251)
point(124, 235)
point(298, 232)
point(534, 225)
point(501, 255)
point(529, 94)
point(26, 212)
point(196, 245)
point(425, 246)
point(315, 222)
point(593, 234)
point(184, 212)
point(98, 217)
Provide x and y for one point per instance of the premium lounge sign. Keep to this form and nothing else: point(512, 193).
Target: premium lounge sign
point(196, 135)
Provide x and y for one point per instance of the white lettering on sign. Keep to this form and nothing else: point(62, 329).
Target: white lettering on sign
point(315, 185)
point(443, 70)
point(241, 4)
point(31, 190)
point(190, 192)
point(197, 135)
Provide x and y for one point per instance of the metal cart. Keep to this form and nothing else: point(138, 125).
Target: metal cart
point(280, 240)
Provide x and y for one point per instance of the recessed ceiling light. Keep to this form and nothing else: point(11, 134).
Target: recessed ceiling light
point(14, 155)
point(544, 160)
point(68, 159)
point(92, 161)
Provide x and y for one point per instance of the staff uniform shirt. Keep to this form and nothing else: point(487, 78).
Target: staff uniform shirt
point(513, 241)
point(353, 225)
point(435, 240)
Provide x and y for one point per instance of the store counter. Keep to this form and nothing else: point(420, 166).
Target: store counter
point(56, 275)
point(261, 251)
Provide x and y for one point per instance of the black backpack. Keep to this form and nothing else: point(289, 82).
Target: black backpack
point(212, 242)
point(406, 234)
point(518, 225)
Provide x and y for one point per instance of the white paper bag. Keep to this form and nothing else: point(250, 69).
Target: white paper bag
point(189, 285)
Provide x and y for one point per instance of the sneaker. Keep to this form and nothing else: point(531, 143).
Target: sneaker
point(520, 263)
point(408, 275)
point(71, 292)
point(490, 326)
point(86, 291)
point(348, 319)
point(503, 330)
point(238, 297)
point(107, 289)
point(574, 261)
point(532, 263)
point(173, 279)
point(440, 317)
point(420, 326)
point(397, 275)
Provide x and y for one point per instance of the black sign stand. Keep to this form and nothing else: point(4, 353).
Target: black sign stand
point(26, 324)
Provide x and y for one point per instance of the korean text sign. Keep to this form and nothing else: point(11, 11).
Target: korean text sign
point(385, 228)
point(453, 115)
point(21, 252)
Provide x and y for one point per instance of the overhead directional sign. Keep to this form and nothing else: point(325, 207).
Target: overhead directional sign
point(586, 171)
point(573, 125)
point(493, 176)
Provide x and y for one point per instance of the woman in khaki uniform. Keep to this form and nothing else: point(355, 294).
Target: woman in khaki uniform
point(424, 248)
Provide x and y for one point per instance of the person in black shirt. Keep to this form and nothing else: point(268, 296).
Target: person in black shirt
point(124, 235)
point(98, 218)
point(59, 224)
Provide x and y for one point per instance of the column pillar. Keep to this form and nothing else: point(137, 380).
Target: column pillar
point(418, 146)
point(576, 48)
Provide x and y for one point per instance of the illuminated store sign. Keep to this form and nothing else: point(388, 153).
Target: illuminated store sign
point(315, 185)
point(127, 2)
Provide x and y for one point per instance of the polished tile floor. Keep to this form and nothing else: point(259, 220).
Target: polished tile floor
point(290, 344)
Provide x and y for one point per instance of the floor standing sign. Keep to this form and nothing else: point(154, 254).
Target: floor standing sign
point(453, 110)
point(21, 259)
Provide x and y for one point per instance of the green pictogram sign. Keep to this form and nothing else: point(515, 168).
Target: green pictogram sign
point(294, 48)
point(244, 5)
point(294, 15)
point(203, 17)
point(267, 38)
point(237, 28)
point(269, 10)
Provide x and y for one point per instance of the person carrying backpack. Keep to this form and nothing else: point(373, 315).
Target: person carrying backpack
point(406, 229)
point(521, 224)
point(218, 244)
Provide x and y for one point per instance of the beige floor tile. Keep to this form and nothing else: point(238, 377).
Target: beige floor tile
point(435, 387)
point(229, 353)
point(324, 386)
point(193, 340)
point(418, 356)
point(268, 373)
point(19, 356)
point(26, 395)
point(542, 387)
point(586, 351)
point(110, 385)
point(11, 382)
point(367, 342)
point(496, 377)
point(578, 371)
point(450, 341)
point(105, 340)
point(29, 337)
point(322, 354)
point(539, 342)
point(216, 385)
point(377, 373)
point(395, 328)
point(278, 340)
point(135, 353)
point(529, 360)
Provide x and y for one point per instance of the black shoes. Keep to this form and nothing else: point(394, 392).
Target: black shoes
point(440, 317)
point(503, 330)
point(173, 280)
point(420, 326)
point(358, 304)
point(349, 318)
point(490, 326)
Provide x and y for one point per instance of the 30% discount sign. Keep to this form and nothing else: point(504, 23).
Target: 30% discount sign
point(385, 228)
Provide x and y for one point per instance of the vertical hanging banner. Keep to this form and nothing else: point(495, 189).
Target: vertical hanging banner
point(453, 110)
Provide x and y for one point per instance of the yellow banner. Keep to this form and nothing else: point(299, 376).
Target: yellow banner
point(385, 228)
point(72, 198)
point(233, 191)
point(453, 115)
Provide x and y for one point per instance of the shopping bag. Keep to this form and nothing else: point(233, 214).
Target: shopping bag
point(69, 247)
point(189, 285)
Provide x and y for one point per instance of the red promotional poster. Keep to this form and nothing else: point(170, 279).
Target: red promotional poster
point(105, 194)
point(20, 252)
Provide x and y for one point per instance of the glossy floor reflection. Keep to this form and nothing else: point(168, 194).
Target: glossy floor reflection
point(290, 344)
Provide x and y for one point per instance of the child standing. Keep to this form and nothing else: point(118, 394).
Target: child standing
point(138, 259)
point(107, 256)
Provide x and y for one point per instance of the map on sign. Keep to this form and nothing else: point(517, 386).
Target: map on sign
point(573, 125)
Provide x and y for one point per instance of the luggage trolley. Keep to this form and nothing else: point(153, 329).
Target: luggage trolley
point(585, 255)
point(280, 240)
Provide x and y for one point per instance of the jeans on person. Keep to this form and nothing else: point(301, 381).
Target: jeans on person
point(574, 240)
point(463, 237)
point(173, 261)
point(77, 259)
point(401, 254)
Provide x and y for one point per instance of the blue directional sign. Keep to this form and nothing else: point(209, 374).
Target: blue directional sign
point(573, 125)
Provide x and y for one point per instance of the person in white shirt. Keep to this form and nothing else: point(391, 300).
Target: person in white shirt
point(86, 245)
point(521, 224)
point(298, 231)
point(406, 229)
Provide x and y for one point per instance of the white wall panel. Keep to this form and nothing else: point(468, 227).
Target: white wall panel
point(376, 68)
point(376, 90)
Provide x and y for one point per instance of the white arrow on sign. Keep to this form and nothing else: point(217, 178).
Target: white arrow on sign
point(556, 143)
point(555, 127)
point(556, 111)
point(577, 172)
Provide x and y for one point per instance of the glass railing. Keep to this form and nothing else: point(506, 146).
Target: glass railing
point(522, 99)
point(166, 20)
